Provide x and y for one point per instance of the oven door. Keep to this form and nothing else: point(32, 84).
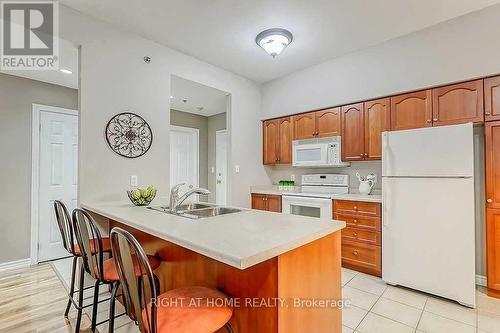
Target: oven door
point(310, 154)
point(307, 206)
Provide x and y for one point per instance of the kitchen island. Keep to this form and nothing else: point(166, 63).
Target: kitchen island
point(281, 271)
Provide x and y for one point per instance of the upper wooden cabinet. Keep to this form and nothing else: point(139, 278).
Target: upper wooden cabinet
point(304, 126)
point(377, 120)
point(492, 152)
point(316, 124)
point(277, 141)
point(353, 133)
point(458, 103)
point(412, 110)
point(328, 122)
point(492, 98)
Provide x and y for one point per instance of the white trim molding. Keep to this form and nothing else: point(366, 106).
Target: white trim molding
point(35, 171)
point(18, 264)
point(481, 280)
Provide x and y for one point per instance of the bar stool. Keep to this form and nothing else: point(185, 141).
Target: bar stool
point(171, 311)
point(67, 234)
point(103, 271)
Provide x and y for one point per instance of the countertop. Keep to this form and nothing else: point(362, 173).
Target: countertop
point(240, 240)
point(274, 190)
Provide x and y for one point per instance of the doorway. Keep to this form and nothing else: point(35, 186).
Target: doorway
point(184, 156)
point(54, 176)
point(221, 167)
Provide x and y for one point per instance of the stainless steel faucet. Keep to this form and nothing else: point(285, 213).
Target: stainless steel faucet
point(176, 201)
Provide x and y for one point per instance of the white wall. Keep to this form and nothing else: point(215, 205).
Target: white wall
point(460, 49)
point(114, 78)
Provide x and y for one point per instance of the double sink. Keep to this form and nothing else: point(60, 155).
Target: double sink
point(197, 210)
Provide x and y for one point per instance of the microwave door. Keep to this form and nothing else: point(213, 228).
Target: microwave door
point(310, 155)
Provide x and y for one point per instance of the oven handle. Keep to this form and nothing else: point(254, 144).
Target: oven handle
point(296, 198)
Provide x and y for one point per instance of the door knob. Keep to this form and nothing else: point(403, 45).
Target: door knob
point(489, 200)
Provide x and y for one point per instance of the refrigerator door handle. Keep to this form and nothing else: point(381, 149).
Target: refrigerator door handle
point(385, 209)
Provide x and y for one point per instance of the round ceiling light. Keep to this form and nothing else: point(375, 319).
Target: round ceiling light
point(274, 40)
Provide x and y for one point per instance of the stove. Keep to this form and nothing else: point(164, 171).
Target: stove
point(314, 199)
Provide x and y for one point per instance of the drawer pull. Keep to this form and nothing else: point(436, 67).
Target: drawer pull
point(355, 252)
point(355, 221)
point(355, 207)
point(355, 234)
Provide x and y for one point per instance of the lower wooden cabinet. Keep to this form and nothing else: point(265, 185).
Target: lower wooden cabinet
point(362, 237)
point(267, 202)
point(493, 251)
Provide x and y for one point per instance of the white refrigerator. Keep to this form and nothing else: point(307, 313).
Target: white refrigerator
point(428, 222)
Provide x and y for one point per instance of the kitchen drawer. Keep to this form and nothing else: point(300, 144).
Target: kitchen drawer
point(360, 235)
point(357, 207)
point(362, 257)
point(361, 222)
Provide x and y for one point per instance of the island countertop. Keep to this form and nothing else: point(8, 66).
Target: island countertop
point(240, 240)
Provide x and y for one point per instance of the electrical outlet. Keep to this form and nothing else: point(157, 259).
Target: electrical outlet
point(134, 181)
point(237, 168)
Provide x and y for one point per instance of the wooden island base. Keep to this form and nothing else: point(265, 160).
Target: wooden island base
point(309, 273)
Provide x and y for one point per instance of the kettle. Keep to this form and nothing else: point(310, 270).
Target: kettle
point(366, 185)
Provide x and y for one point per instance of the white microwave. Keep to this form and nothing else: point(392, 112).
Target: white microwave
point(317, 153)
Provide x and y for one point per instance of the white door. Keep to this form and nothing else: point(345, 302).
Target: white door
point(184, 157)
point(442, 151)
point(221, 167)
point(58, 178)
point(428, 239)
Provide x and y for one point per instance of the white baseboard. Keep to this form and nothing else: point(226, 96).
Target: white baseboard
point(481, 280)
point(8, 266)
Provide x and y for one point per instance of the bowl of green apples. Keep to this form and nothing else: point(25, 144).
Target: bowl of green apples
point(142, 196)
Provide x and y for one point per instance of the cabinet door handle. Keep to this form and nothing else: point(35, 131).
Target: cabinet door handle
point(435, 119)
point(487, 113)
point(489, 200)
point(362, 154)
point(429, 121)
point(366, 154)
point(355, 252)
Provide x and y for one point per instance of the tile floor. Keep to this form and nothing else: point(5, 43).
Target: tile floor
point(379, 308)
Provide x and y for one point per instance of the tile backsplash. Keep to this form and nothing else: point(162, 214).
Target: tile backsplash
point(277, 173)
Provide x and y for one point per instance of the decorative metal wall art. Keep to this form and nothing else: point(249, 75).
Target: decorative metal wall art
point(129, 135)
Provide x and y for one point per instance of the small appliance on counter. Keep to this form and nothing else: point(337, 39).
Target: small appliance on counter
point(366, 184)
point(318, 153)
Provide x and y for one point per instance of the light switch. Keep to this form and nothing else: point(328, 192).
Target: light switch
point(212, 169)
point(237, 168)
point(134, 181)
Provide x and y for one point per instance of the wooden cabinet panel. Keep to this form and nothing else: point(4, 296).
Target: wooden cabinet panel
point(458, 103)
point(259, 201)
point(492, 134)
point(360, 222)
point(268, 202)
point(492, 98)
point(362, 257)
point(377, 120)
point(353, 141)
point(363, 236)
point(328, 122)
point(273, 203)
point(493, 251)
point(357, 207)
point(270, 140)
point(285, 140)
point(413, 110)
point(304, 126)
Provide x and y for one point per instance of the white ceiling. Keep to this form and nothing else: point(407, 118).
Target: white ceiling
point(222, 32)
point(68, 59)
point(189, 96)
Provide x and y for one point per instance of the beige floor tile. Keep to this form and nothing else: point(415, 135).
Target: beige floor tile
point(486, 303)
point(377, 324)
point(397, 311)
point(451, 310)
point(432, 323)
point(405, 296)
point(368, 284)
point(359, 298)
point(488, 322)
point(346, 329)
point(347, 276)
point(352, 316)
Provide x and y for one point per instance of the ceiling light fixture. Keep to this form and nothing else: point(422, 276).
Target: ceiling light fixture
point(274, 40)
point(65, 71)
